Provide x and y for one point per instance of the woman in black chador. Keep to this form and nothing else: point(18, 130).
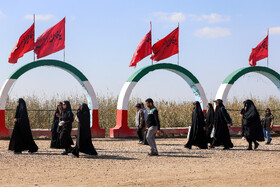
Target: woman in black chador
point(55, 128)
point(66, 124)
point(197, 135)
point(252, 124)
point(222, 122)
point(209, 120)
point(84, 143)
point(22, 139)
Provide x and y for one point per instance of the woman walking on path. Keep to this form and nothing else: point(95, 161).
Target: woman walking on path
point(22, 139)
point(267, 123)
point(55, 128)
point(222, 122)
point(198, 129)
point(252, 124)
point(209, 120)
point(84, 143)
point(66, 123)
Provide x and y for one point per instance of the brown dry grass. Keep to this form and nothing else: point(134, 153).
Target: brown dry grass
point(171, 113)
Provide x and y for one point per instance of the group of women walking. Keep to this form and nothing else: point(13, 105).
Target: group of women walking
point(22, 139)
point(213, 127)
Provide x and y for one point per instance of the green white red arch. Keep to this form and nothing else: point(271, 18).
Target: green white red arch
point(234, 76)
point(79, 76)
point(121, 129)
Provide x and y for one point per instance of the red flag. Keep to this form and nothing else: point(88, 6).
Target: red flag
point(51, 41)
point(260, 52)
point(167, 46)
point(24, 45)
point(143, 49)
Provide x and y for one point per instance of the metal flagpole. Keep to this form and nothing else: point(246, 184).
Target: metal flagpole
point(151, 38)
point(64, 41)
point(267, 46)
point(34, 36)
point(178, 43)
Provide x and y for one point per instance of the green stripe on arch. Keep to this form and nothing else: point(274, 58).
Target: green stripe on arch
point(145, 70)
point(55, 63)
point(242, 71)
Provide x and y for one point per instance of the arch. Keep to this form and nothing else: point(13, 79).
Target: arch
point(226, 85)
point(121, 129)
point(79, 76)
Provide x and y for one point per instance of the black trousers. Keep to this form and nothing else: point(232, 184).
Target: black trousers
point(140, 133)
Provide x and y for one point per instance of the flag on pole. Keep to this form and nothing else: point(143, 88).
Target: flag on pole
point(259, 53)
point(167, 46)
point(24, 45)
point(143, 49)
point(51, 41)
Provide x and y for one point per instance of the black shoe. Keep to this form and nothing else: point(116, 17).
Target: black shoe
point(64, 153)
point(17, 152)
point(212, 146)
point(75, 155)
point(226, 148)
point(153, 154)
point(249, 148)
point(267, 143)
point(256, 145)
point(187, 146)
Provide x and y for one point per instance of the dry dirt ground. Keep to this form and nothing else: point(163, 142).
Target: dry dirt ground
point(123, 162)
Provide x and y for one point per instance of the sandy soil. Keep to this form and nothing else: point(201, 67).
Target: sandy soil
point(123, 162)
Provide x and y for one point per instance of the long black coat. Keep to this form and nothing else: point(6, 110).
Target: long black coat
point(197, 134)
point(84, 143)
point(55, 130)
point(251, 122)
point(221, 135)
point(209, 120)
point(22, 139)
point(65, 135)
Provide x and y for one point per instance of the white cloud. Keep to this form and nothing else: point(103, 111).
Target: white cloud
point(40, 17)
point(211, 18)
point(216, 32)
point(274, 30)
point(170, 17)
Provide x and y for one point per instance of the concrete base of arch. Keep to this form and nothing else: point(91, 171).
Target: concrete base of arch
point(96, 131)
point(4, 132)
point(121, 130)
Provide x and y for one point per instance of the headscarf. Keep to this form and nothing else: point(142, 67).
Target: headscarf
point(21, 110)
point(209, 116)
point(68, 106)
point(85, 108)
point(57, 110)
point(251, 111)
point(197, 108)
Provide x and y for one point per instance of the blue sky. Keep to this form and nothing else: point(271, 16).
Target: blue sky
point(215, 39)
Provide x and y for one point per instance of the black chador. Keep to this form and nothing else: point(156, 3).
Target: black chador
point(252, 124)
point(197, 135)
point(22, 139)
point(84, 143)
point(209, 120)
point(221, 121)
point(67, 120)
point(55, 127)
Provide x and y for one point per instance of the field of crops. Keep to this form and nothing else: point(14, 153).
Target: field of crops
point(171, 113)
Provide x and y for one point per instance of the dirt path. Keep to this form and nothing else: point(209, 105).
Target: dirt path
point(122, 162)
